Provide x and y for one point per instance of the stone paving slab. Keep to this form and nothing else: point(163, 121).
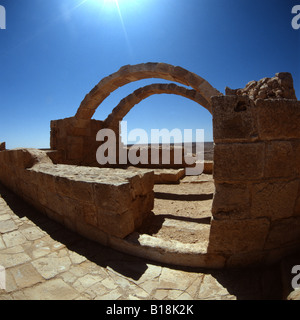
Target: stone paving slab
point(45, 261)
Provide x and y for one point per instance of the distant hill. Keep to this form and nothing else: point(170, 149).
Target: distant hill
point(208, 149)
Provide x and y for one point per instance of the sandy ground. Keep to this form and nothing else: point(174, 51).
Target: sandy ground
point(182, 211)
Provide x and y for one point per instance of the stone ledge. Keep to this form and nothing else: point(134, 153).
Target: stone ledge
point(114, 201)
point(171, 251)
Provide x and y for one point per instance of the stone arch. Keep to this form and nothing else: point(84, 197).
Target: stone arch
point(131, 73)
point(126, 104)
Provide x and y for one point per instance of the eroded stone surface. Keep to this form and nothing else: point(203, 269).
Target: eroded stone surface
point(114, 201)
point(279, 87)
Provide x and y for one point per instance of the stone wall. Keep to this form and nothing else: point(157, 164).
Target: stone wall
point(97, 203)
point(78, 146)
point(256, 206)
point(75, 145)
point(279, 87)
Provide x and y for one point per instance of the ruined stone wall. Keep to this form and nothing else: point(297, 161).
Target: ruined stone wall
point(279, 87)
point(97, 203)
point(256, 206)
point(75, 145)
point(78, 146)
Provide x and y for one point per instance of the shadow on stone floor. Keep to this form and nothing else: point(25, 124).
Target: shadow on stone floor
point(245, 284)
point(183, 197)
point(153, 223)
point(94, 252)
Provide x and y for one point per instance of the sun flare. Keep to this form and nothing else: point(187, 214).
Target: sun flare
point(117, 2)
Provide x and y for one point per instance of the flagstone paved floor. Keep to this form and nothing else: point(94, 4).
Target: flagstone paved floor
point(45, 261)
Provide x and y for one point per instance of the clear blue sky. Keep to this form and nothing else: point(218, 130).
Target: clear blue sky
point(54, 52)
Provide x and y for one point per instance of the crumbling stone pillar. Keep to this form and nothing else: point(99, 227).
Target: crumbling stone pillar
point(256, 206)
point(2, 146)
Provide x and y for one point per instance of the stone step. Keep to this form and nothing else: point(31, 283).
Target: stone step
point(178, 228)
point(175, 176)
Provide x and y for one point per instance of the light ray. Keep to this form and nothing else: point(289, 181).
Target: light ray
point(123, 26)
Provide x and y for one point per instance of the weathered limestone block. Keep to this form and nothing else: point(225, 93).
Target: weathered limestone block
point(274, 199)
point(75, 147)
point(122, 206)
point(238, 236)
point(283, 232)
point(239, 161)
point(23, 158)
point(28, 190)
point(142, 187)
point(168, 175)
point(2, 146)
point(280, 160)
point(112, 200)
point(64, 206)
point(234, 119)
point(118, 225)
point(82, 191)
point(278, 119)
point(141, 207)
point(231, 201)
point(279, 87)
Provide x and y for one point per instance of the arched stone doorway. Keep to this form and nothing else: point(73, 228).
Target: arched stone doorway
point(76, 136)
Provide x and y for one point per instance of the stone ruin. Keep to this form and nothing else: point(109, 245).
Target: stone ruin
point(256, 171)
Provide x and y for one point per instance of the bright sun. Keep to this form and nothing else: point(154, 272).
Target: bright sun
point(117, 2)
point(110, 1)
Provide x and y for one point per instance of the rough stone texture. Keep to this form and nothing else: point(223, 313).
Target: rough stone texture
point(61, 265)
point(242, 236)
point(283, 233)
point(256, 171)
point(231, 201)
point(238, 161)
point(256, 206)
point(274, 199)
point(113, 201)
point(278, 118)
point(164, 176)
point(2, 146)
point(234, 119)
point(279, 87)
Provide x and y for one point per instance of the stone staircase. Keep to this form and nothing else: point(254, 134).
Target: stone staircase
point(182, 212)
